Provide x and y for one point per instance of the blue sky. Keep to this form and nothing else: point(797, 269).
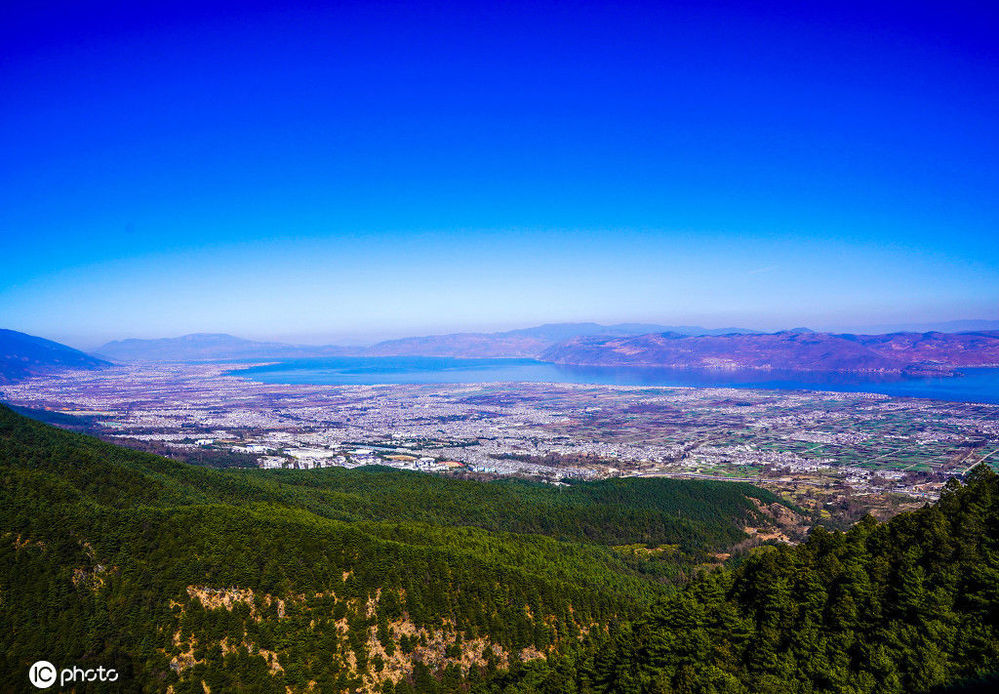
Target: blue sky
point(376, 169)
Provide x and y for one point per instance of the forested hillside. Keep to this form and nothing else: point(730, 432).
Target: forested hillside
point(907, 606)
point(186, 578)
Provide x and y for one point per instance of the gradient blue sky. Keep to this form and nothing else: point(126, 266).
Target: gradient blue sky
point(373, 169)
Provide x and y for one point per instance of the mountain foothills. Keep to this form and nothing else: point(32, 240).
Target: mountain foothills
point(23, 356)
point(188, 579)
point(590, 344)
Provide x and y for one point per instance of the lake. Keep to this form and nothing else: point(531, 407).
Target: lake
point(973, 385)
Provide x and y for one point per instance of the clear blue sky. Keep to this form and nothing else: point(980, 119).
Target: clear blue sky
point(378, 169)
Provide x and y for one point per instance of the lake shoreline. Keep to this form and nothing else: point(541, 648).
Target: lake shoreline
point(975, 384)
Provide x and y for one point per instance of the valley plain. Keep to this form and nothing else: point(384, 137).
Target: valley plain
point(838, 454)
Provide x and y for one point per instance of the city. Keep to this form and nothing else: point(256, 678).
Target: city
point(818, 449)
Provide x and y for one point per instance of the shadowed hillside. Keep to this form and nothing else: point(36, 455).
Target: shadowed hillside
point(23, 356)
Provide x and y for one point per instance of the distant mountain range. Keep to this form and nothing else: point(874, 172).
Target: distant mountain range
point(580, 344)
point(526, 342)
point(950, 326)
point(210, 347)
point(624, 344)
point(913, 353)
point(23, 356)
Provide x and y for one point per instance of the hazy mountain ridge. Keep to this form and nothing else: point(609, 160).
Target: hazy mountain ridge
point(208, 347)
point(949, 326)
point(915, 353)
point(587, 344)
point(522, 342)
point(23, 356)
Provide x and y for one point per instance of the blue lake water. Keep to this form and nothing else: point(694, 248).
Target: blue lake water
point(973, 385)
